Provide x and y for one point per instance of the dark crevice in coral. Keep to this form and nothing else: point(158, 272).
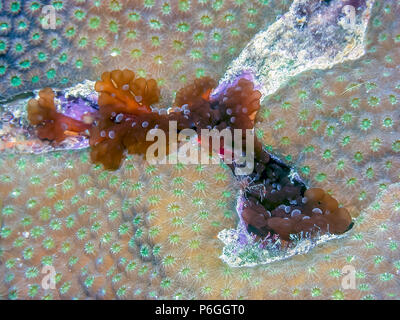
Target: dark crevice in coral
point(20, 96)
point(276, 203)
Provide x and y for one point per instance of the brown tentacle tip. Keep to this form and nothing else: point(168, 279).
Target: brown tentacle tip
point(52, 125)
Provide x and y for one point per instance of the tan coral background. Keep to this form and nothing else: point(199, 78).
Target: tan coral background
point(151, 232)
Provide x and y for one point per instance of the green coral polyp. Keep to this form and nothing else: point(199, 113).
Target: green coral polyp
point(16, 81)
point(183, 27)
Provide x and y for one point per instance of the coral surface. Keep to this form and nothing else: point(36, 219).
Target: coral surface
point(340, 126)
point(150, 232)
point(170, 41)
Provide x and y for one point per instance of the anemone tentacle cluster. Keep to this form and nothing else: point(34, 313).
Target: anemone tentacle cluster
point(274, 204)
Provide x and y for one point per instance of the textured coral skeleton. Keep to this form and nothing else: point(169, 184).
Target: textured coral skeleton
point(151, 232)
point(171, 41)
